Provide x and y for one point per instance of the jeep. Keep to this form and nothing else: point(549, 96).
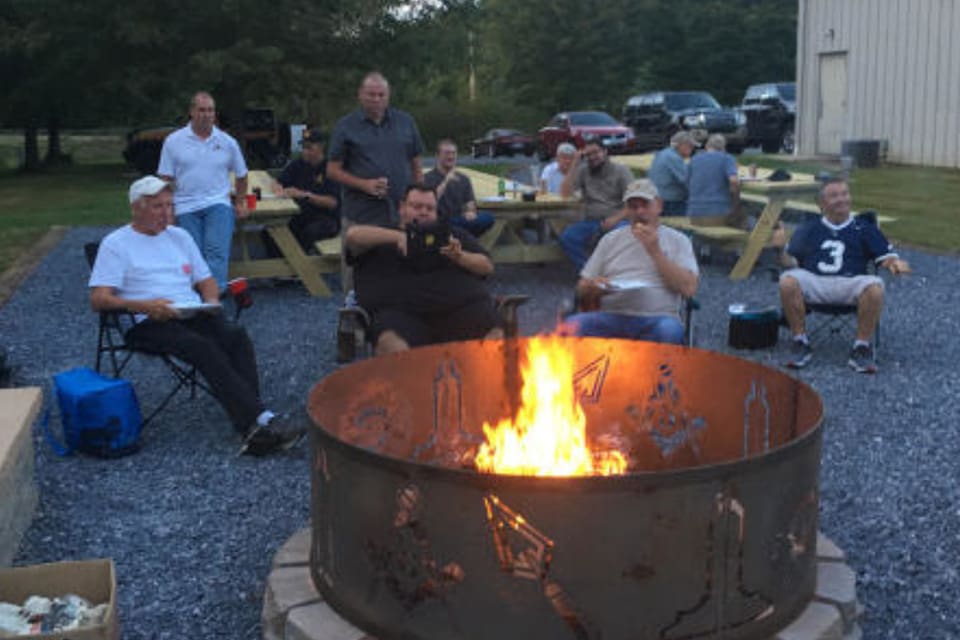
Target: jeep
point(264, 141)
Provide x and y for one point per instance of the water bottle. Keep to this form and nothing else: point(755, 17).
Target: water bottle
point(501, 187)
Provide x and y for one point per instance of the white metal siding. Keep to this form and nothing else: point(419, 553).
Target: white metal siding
point(903, 74)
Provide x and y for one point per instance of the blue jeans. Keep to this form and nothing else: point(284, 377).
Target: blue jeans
point(478, 226)
point(212, 230)
point(606, 324)
point(579, 239)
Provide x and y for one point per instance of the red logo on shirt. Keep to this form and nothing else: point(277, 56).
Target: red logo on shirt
point(187, 269)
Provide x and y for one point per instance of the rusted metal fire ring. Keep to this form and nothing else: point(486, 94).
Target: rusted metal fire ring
point(712, 532)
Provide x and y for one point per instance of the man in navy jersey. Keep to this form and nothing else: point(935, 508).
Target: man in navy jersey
point(831, 255)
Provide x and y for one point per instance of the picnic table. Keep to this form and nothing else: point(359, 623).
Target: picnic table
point(773, 195)
point(272, 214)
point(508, 240)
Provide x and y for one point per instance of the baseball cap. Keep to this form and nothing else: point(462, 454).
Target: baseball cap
point(147, 186)
point(642, 188)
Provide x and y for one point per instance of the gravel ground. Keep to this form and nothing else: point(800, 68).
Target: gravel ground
point(192, 527)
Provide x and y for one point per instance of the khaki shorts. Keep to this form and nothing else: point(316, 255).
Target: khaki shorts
point(831, 289)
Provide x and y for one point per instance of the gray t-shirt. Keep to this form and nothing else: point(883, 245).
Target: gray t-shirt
point(709, 176)
point(620, 256)
point(602, 190)
point(370, 150)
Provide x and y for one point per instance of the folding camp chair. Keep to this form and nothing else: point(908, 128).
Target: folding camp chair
point(112, 343)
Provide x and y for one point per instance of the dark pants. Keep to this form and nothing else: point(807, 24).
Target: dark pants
point(307, 228)
point(478, 226)
point(221, 352)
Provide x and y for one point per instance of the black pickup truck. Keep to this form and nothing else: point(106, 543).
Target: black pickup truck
point(656, 116)
point(770, 109)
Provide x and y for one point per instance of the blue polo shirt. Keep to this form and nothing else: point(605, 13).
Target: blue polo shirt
point(370, 150)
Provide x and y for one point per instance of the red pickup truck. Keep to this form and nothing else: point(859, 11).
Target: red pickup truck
point(572, 126)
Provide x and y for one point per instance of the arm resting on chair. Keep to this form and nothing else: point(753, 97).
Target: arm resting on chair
point(159, 309)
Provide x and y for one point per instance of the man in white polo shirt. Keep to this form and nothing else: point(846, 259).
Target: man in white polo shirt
point(198, 159)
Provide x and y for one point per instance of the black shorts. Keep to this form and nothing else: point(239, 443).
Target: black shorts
point(472, 320)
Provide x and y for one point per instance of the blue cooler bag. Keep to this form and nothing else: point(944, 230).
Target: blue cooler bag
point(100, 415)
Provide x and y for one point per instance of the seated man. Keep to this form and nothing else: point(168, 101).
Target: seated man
point(601, 184)
point(318, 197)
point(714, 186)
point(147, 266)
point(831, 253)
point(669, 173)
point(419, 286)
point(636, 276)
point(551, 178)
point(457, 202)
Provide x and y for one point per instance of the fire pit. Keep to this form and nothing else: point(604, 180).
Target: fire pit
point(709, 530)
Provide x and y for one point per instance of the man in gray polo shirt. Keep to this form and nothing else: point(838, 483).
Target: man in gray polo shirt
point(601, 184)
point(374, 153)
point(669, 173)
point(634, 281)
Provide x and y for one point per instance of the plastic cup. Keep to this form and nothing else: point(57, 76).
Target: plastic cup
point(251, 201)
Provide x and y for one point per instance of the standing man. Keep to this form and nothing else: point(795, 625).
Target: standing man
point(374, 153)
point(669, 173)
point(317, 196)
point(551, 178)
point(150, 269)
point(637, 276)
point(714, 186)
point(831, 254)
point(457, 202)
point(198, 159)
point(602, 184)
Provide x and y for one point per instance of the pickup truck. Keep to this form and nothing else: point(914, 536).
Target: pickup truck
point(770, 109)
point(656, 116)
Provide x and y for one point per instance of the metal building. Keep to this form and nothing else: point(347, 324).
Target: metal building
point(885, 70)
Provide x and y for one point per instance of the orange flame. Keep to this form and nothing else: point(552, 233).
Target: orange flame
point(548, 436)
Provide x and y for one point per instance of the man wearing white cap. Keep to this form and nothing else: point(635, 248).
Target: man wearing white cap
point(155, 270)
point(636, 276)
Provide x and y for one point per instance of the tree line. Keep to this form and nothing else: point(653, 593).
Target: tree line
point(460, 66)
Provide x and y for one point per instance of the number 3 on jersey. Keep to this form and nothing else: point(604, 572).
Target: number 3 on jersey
point(834, 250)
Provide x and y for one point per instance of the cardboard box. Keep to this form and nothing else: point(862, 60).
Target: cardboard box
point(94, 580)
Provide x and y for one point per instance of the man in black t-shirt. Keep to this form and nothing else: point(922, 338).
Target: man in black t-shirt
point(305, 180)
point(422, 283)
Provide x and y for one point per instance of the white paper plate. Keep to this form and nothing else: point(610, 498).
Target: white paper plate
point(625, 284)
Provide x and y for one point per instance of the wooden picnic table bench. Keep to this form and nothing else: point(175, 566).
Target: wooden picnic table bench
point(272, 214)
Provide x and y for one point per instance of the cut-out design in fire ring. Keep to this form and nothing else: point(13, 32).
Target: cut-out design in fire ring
point(406, 564)
point(532, 561)
point(726, 603)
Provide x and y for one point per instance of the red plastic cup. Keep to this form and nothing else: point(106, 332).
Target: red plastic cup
point(251, 201)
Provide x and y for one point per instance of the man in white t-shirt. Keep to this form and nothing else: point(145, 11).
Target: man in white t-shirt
point(637, 276)
point(154, 270)
point(198, 159)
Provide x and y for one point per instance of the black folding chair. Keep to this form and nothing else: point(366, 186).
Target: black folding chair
point(113, 345)
point(353, 327)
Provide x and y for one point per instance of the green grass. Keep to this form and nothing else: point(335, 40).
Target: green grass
point(922, 199)
point(92, 191)
point(84, 195)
